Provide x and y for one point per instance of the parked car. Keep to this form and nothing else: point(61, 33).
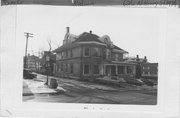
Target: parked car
point(134, 82)
point(148, 82)
point(27, 74)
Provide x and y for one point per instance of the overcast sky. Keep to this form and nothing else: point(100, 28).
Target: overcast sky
point(133, 30)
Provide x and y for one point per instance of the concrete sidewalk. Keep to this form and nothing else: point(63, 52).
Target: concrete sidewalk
point(31, 87)
point(26, 90)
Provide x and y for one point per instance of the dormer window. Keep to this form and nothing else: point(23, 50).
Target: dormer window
point(86, 51)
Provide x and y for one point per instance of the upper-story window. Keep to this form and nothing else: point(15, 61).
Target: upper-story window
point(95, 52)
point(62, 54)
point(71, 53)
point(86, 51)
point(116, 57)
point(108, 54)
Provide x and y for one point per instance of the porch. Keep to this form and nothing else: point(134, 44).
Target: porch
point(119, 70)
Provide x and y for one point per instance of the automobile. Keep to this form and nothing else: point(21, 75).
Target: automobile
point(27, 74)
point(134, 82)
point(148, 82)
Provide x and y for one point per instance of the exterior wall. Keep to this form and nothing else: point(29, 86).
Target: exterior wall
point(69, 53)
point(33, 63)
point(116, 56)
point(149, 69)
point(63, 68)
point(89, 61)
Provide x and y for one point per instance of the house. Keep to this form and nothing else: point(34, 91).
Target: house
point(32, 62)
point(150, 70)
point(144, 69)
point(88, 56)
point(47, 63)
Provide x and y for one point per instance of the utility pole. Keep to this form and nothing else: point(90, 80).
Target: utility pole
point(27, 36)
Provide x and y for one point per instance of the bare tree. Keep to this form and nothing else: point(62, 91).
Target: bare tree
point(49, 43)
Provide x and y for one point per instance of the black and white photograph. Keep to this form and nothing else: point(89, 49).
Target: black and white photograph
point(87, 61)
point(102, 57)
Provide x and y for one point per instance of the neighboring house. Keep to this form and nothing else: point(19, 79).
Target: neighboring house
point(136, 59)
point(32, 63)
point(89, 56)
point(149, 69)
point(144, 68)
point(47, 65)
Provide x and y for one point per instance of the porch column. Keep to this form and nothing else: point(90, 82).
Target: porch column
point(125, 69)
point(104, 69)
point(134, 69)
point(116, 69)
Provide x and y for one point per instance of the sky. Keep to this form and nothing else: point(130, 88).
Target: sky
point(134, 30)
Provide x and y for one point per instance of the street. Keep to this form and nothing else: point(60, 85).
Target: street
point(74, 91)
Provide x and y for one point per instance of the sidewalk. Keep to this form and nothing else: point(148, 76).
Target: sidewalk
point(34, 86)
point(26, 90)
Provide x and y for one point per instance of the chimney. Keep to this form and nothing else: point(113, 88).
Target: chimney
point(90, 32)
point(137, 56)
point(145, 57)
point(67, 29)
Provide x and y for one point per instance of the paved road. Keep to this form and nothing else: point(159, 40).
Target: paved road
point(88, 92)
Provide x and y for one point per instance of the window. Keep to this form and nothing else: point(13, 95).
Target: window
point(86, 51)
point(66, 67)
point(86, 69)
point(108, 54)
point(71, 67)
point(120, 69)
point(62, 55)
point(96, 69)
point(95, 52)
point(116, 57)
point(71, 53)
point(129, 70)
point(62, 67)
point(66, 54)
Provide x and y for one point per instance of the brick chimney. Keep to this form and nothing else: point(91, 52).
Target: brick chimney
point(67, 29)
point(145, 59)
point(90, 32)
point(137, 56)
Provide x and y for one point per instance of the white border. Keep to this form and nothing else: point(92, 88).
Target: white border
point(11, 83)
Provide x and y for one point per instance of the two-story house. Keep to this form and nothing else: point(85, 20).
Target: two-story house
point(88, 56)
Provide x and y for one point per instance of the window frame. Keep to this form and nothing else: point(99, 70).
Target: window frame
point(71, 68)
point(123, 67)
point(84, 52)
point(98, 69)
point(84, 70)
